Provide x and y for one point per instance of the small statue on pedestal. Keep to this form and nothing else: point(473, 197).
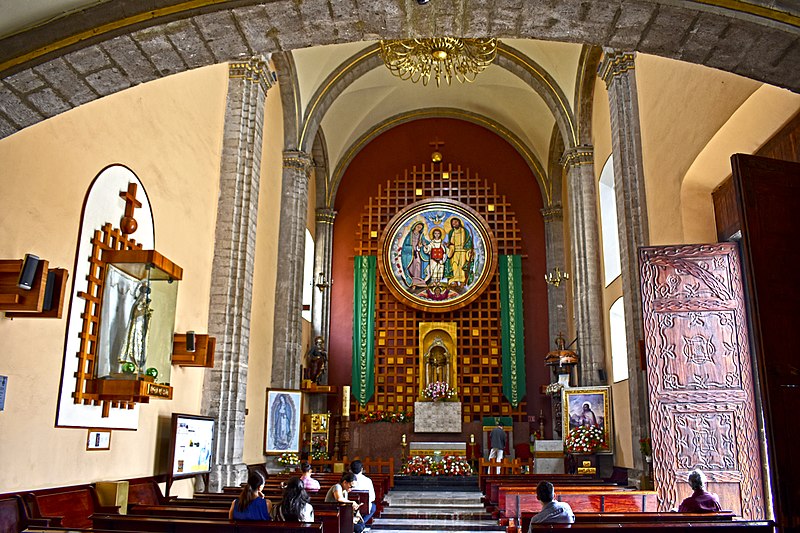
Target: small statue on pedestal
point(317, 360)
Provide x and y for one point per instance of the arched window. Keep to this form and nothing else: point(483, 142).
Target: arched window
point(619, 341)
point(608, 223)
point(308, 276)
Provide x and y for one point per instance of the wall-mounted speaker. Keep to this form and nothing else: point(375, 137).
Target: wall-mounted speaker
point(48, 291)
point(601, 373)
point(190, 345)
point(28, 272)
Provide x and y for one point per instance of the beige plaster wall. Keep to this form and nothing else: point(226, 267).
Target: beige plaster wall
point(681, 107)
point(267, 249)
point(169, 133)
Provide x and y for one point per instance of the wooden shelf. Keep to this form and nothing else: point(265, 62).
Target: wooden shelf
point(202, 356)
point(12, 298)
point(59, 297)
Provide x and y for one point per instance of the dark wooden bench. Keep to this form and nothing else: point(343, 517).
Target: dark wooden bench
point(586, 500)
point(67, 508)
point(14, 517)
point(145, 492)
point(755, 526)
point(187, 525)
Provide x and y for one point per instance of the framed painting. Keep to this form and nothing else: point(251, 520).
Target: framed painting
point(588, 406)
point(282, 421)
point(437, 255)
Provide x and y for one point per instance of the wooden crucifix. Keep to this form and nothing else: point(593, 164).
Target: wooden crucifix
point(127, 223)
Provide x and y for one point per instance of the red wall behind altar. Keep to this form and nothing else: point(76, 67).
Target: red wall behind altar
point(485, 154)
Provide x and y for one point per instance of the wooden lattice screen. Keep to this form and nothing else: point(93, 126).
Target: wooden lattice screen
point(397, 325)
point(108, 238)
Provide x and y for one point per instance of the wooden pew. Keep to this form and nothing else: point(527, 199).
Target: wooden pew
point(67, 508)
point(188, 525)
point(625, 518)
point(14, 516)
point(588, 501)
point(753, 526)
point(145, 492)
point(492, 487)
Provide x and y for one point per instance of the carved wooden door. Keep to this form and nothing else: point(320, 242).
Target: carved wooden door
point(702, 408)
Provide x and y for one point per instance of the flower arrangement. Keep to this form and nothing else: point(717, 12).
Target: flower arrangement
point(427, 465)
point(585, 439)
point(437, 391)
point(288, 459)
point(319, 443)
point(320, 455)
point(386, 416)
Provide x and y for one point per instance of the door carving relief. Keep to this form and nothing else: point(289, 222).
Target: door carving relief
point(702, 406)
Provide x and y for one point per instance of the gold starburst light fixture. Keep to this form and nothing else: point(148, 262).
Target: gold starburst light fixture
point(442, 58)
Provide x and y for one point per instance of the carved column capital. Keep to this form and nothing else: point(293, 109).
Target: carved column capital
point(553, 213)
point(577, 156)
point(297, 160)
point(325, 215)
point(255, 69)
point(615, 64)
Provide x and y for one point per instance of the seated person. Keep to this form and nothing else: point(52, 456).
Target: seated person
point(294, 506)
point(553, 511)
point(364, 483)
point(308, 482)
point(338, 493)
point(251, 505)
point(701, 501)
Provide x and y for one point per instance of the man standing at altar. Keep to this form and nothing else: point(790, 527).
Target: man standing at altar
point(497, 442)
point(362, 482)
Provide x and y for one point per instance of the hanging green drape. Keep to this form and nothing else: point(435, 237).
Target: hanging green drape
point(365, 274)
point(513, 328)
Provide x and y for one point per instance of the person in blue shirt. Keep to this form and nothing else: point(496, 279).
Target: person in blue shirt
point(251, 504)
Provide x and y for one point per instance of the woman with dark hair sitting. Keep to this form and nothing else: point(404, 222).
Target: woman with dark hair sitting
point(294, 506)
point(308, 482)
point(251, 505)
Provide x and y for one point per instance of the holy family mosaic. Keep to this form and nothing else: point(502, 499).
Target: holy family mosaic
point(437, 255)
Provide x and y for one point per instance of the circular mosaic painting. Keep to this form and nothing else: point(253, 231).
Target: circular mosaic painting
point(437, 255)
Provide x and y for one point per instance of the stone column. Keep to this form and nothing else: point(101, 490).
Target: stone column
point(323, 254)
point(585, 244)
point(618, 72)
point(554, 245)
point(225, 386)
point(287, 344)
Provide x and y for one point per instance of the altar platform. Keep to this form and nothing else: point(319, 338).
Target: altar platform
point(422, 449)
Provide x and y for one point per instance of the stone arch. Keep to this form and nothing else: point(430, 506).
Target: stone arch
point(530, 158)
point(102, 50)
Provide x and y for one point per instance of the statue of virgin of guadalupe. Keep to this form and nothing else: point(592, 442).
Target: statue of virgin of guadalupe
point(133, 349)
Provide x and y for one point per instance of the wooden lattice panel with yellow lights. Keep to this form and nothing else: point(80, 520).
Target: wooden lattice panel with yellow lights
point(479, 365)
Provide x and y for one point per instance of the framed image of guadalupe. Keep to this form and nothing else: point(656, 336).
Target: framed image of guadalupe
point(437, 255)
point(282, 425)
point(588, 406)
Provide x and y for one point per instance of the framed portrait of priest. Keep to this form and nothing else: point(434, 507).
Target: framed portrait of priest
point(283, 419)
point(589, 407)
point(437, 255)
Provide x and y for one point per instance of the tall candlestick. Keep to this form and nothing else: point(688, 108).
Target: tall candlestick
point(346, 400)
point(403, 440)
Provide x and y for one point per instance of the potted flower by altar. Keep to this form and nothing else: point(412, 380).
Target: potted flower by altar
point(446, 465)
point(581, 446)
point(289, 461)
point(438, 391)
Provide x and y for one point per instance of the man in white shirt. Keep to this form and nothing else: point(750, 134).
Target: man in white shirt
point(364, 483)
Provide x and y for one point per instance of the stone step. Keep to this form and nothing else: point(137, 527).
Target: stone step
point(435, 513)
point(391, 524)
point(408, 498)
point(437, 483)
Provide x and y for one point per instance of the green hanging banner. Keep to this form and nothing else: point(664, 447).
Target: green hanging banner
point(513, 328)
point(365, 274)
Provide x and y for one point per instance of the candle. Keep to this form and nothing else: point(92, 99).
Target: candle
point(404, 438)
point(346, 400)
point(472, 439)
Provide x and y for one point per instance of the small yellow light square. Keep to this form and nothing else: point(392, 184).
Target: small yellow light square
point(373, 234)
point(466, 390)
point(381, 379)
point(495, 361)
point(485, 408)
point(493, 342)
point(371, 407)
point(466, 360)
point(382, 334)
point(390, 399)
point(381, 342)
point(390, 361)
point(409, 370)
point(409, 399)
point(418, 192)
point(400, 360)
point(445, 175)
point(490, 207)
point(467, 409)
point(409, 351)
point(506, 410)
point(476, 332)
point(409, 379)
point(399, 388)
point(476, 379)
point(494, 351)
point(466, 420)
point(485, 361)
